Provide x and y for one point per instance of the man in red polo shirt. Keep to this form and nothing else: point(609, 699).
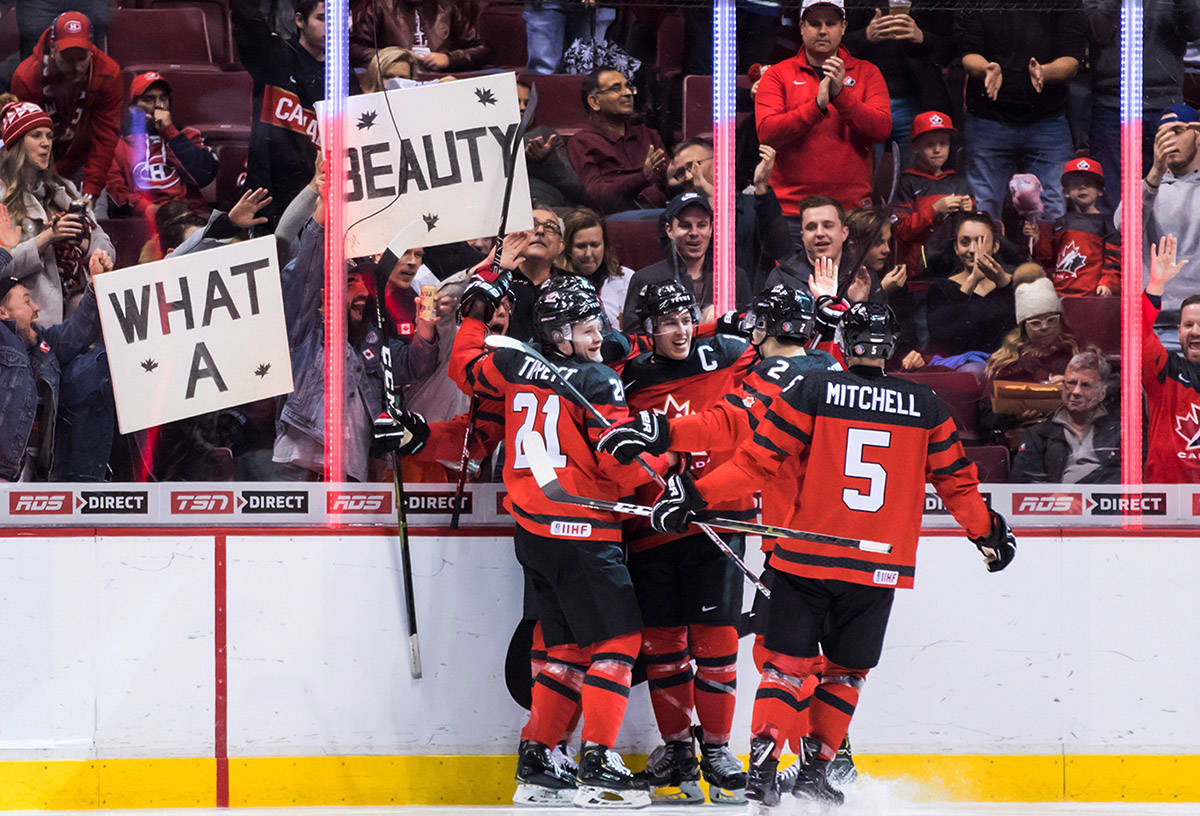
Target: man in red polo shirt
point(823, 111)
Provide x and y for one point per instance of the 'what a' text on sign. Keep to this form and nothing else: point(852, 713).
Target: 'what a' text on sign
point(432, 155)
point(194, 334)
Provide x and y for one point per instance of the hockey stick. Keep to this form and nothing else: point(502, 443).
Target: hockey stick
point(547, 480)
point(510, 164)
point(503, 341)
point(391, 399)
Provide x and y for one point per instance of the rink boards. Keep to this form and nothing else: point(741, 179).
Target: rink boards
point(146, 666)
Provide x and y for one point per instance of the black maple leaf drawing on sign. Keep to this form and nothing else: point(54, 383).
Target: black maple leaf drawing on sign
point(485, 96)
point(430, 220)
point(366, 120)
point(262, 369)
point(149, 364)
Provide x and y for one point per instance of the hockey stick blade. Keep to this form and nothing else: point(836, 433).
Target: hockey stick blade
point(547, 480)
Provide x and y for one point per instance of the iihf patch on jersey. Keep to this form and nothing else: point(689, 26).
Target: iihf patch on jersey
point(849, 82)
point(887, 577)
point(369, 354)
point(748, 401)
point(571, 529)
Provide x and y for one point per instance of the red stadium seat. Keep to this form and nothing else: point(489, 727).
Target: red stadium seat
point(231, 174)
point(636, 243)
point(697, 106)
point(9, 41)
point(671, 32)
point(128, 235)
point(216, 104)
point(558, 104)
point(1096, 319)
point(503, 28)
point(145, 39)
point(216, 18)
point(958, 391)
point(991, 461)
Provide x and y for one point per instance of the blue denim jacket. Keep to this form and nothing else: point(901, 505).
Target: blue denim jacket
point(27, 372)
point(304, 409)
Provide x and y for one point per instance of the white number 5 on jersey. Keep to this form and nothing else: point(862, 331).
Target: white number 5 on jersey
point(856, 440)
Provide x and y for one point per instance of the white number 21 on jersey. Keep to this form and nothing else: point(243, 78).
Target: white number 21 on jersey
point(856, 440)
point(528, 403)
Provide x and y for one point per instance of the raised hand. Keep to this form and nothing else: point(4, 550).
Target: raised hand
point(1163, 266)
point(764, 168)
point(243, 213)
point(895, 279)
point(99, 263)
point(824, 278)
point(10, 233)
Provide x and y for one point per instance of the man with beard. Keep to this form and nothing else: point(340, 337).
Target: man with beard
point(300, 428)
point(80, 87)
point(620, 163)
point(823, 236)
point(1170, 201)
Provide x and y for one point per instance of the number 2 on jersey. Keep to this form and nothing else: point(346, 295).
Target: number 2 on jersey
point(528, 404)
point(856, 440)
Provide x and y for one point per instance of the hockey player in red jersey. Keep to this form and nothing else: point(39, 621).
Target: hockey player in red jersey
point(582, 593)
point(690, 593)
point(878, 441)
point(1171, 381)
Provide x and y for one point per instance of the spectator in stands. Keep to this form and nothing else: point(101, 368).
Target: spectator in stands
point(1018, 64)
point(1170, 379)
point(300, 427)
point(928, 195)
point(552, 25)
point(869, 247)
point(691, 168)
point(552, 179)
point(1168, 27)
point(402, 290)
point(1081, 443)
point(1039, 348)
point(588, 253)
point(689, 228)
point(289, 79)
point(58, 228)
point(79, 87)
point(535, 253)
point(823, 235)
point(443, 34)
point(1082, 249)
point(387, 63)
point(29, 390)
point(910, 46)
point(971, 311)
point(155, 160)
point(1170, 202)
point(622, 164)
point(35, 16)
point(823, 111)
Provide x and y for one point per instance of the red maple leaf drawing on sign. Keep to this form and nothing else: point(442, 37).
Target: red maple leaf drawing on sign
point(1188, 427)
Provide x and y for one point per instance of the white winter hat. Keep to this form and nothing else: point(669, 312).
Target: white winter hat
point(1035, 298)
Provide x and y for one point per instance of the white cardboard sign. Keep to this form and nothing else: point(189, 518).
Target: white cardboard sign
point(431, 154)
point(194, 334)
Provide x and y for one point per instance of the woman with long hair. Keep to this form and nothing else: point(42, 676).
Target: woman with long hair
point(58, 228)
point(587, 253)
point(869, 243)
point(387, 63)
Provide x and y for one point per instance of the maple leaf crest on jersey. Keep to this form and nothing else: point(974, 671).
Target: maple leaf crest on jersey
point(1188, 427)
point(1070, 261)
point(673, 408)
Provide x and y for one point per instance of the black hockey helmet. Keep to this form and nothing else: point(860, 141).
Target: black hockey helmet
point(869, 330)
point(662, 298)
point(562, 282)
point(556, 310)
point(784, 312)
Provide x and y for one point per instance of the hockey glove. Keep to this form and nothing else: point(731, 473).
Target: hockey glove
point(999, 547)
point(829, 312)
point(481, 297)
point(646, 432)
point(731, 323)
point(404, 434)
point(678, 505)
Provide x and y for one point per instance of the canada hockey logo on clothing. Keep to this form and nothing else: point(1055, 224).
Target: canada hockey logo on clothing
point(1188, 429)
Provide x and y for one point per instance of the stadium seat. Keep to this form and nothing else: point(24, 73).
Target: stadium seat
point(156, 39)
point(503, 28)
point(558, 104)
point(959, 393)
point(216, 18)
point(636, 243)
point(217, 104)
point(128, 235)
point(991, 461)
point(671, 33)
point(1096, 319)
point(9, 41)
point(231, 174)
point(697, 106)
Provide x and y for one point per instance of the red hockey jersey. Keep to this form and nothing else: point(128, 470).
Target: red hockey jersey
point(677, 388)
point(1080, 251)
point(1173, 399)
point(871, 442)
point(533, 400)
